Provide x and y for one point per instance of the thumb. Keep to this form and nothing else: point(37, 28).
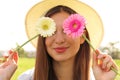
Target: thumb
point(95, 59)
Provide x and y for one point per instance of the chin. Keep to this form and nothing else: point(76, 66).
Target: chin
point(63, 59)
point(60, 59)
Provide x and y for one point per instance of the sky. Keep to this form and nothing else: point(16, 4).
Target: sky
point(13, 12)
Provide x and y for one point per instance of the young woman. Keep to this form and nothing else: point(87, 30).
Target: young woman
point(60, 57)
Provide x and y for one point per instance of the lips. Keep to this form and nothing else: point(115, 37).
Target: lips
point(60, 49)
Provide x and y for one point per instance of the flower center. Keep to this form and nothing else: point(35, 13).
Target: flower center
point(45, 27)
point(74, 25)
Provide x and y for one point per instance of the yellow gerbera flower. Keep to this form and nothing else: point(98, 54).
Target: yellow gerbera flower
point(46, 26)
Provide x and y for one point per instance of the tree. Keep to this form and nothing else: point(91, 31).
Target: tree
point(112, 50)
point(21, 52)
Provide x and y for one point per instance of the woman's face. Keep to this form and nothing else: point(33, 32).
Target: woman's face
point(60, 46)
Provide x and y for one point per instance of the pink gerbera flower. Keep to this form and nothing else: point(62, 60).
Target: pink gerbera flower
point(74, 25)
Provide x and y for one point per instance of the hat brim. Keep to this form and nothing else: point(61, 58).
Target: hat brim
point(94, 24)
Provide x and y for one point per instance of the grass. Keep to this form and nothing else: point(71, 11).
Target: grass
point(118, 63)
point(28, 63)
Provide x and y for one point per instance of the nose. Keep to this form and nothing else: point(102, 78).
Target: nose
point(60, 38)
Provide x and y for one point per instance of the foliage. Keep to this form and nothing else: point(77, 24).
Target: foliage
point(112, 50)
point(118, 63)
point(21, 51)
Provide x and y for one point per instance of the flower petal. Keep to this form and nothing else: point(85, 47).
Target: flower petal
point(46, 26)
point(74, 25)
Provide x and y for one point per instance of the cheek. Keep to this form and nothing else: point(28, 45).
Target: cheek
point(75, 46)
point(47, 42)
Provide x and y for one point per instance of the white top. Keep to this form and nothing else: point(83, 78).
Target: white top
point(28, 75)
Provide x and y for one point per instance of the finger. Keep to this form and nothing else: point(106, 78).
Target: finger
point(95, 61)
point(97, 52)
point(13, 56)
point(115, 66)
point(109, 65)
point(10, 56)
point(102, 56)
point(10, 51)
point(106, 60)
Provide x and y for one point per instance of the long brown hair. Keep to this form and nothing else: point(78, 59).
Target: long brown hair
point(44, 68)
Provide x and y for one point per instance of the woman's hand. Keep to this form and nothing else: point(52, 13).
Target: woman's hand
point(101, 66)
point(8, 68)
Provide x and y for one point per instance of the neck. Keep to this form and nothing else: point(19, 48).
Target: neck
point(64, 69)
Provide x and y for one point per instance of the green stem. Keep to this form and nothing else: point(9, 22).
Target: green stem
point(26, 42)
point(89, 42)
point(116, 71)
point(16, 49)
point(112, 68)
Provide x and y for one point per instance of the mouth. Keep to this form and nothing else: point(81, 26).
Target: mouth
point(60, 49)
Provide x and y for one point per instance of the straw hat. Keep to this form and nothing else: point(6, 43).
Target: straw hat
point(94, 23)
